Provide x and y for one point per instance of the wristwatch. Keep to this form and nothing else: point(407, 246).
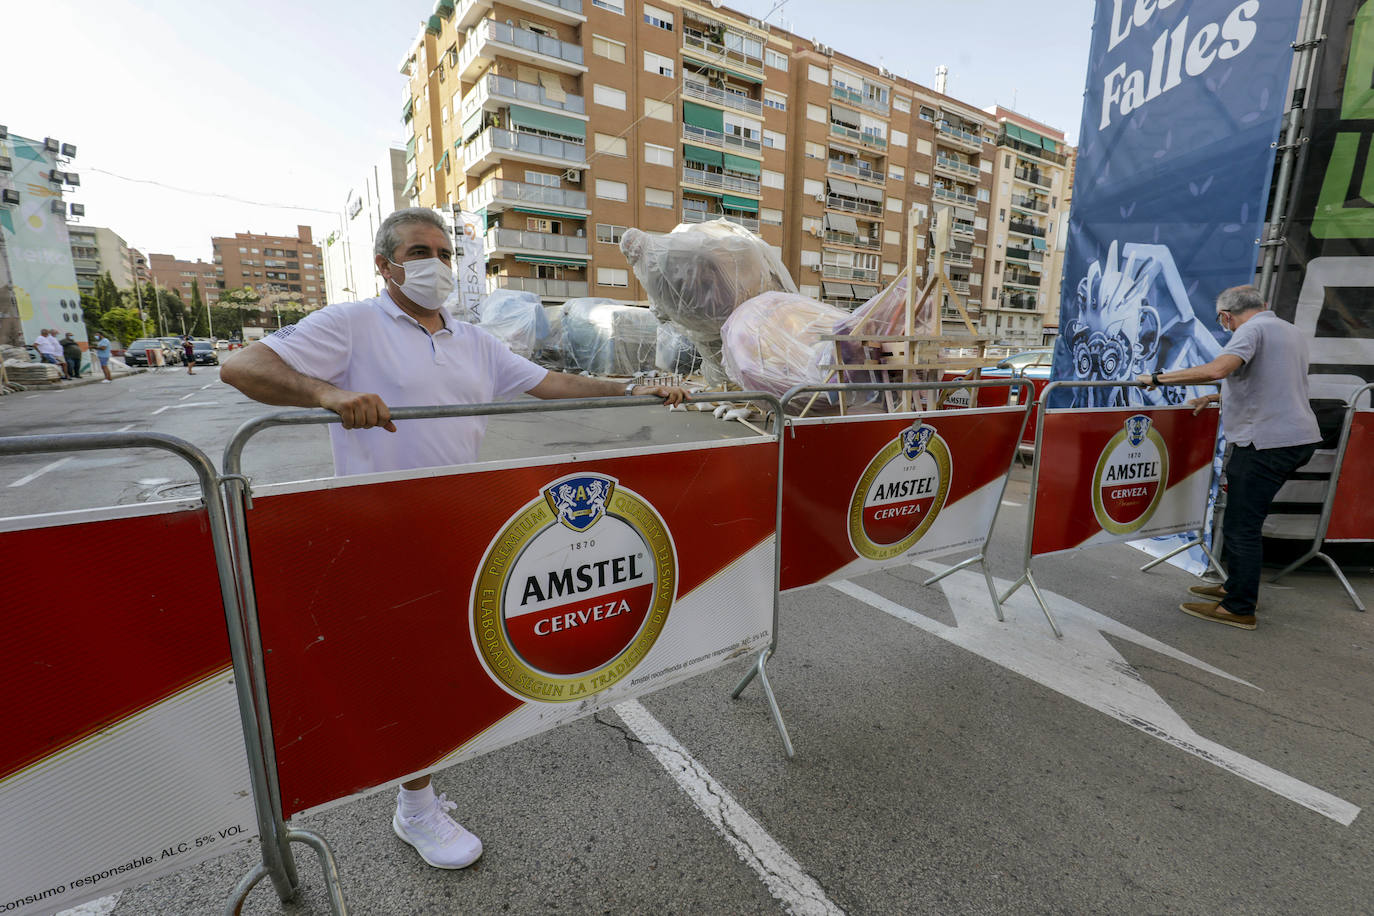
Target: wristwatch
point(1154, 379)
point(630, 390)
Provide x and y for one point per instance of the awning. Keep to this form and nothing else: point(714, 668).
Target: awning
point(706, 60)
point(740, 203)
point(841, 222)
point(741, 164)
point(699, 193)
point(1048, 144)
point(407, 110)
point(472, 124)
point(551, 262)
point(844, 116)
point(866, 193)
point(552, 213)
point(837, 290)
point(410, 186)
point(703, 117)
point(845, 188)
point(434, 25)
point(410, 149)
point(443, 161)
point(692, 153)
point(553, 89)
point(444, 8)
point(863, 291)
point(965, 213)
point(1038, 244)
point(520, 116)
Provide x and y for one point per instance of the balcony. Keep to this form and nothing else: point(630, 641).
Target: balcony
point(958, 137)
point(954, 196)
point(694, 89)
point(1033, 204)
point(492, 91)
point(856, 97)
point(962, 228)
point(694, 134)
point(705, 179)
point(1021, 301)
point(1027, 255)
point(1024, 228)
point(499, 239)
point(960, 169)
point(492, 39)
point(715, 53)
point(701, 216)
point(861, 172)
point(850, 205)
point(1032, 176)
point(853, 241)
point(545, 289)
point(959, 286)
point(499, 193)
point(86, 265)
point(849, 133)
point(1026, 149)
point(569, 11)
point(958, 259)
point(1014, 278)
point(836, 272)
point(496, 143)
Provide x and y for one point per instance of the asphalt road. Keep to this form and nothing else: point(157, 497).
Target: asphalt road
point(946, 762)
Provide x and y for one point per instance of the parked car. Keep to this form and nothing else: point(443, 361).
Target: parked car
point(205, 353)
point(1031, 365)
point(136, 354)
point(175, 344)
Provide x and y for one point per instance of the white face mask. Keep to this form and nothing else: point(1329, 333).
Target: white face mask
point(428, 281)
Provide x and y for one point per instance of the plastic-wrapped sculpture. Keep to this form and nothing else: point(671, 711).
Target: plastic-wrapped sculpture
point(772, 342)
point(516, 318)
point(675, 353)
point(699, 273)
point(550, 354)
point(603, 337)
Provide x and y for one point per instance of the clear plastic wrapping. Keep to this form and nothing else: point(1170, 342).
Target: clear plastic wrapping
point(674, 353)
point(884, 314)
point(603, 337)
point(772, 342)
point(517, 319)
point(550, 354)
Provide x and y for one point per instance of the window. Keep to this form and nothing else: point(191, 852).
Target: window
point(772, 179)
point(542, 224)
point(896, 173)
point(901, 104)
point(920, 179)
point(815, 151)
point(606, 95)
point(770, 217)
point(808, 258)
point(612, 276)
point(980, 222)
point(926, 114)
point(611, 146)
point(816, 113)
point(542, 178)
point(894, 204)
point(653, 197)
point(660, 111)
point(1006, 162)
point(983, 195)
point(812, 188)
point(889, 268)
point(609, 234)
point(658, 155)
point(775, 60)
point(811, 224)
point(1001, 216)
point(985, 165)
point(312, 289)
point(898, 138)
point(773, 99)
point(255, 251)
point(657, 63)
point(611, 6)
point(774, 140)
point(892, 237)
point(608, 48)
point(658, 18)
point(612, 190)
point(817, 74)
point(923, 147)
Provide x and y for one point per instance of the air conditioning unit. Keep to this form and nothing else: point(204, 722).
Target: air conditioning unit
point(51, 145)
point(820, 198)
point(573, 174)
point(815, 268)
point(9, 196)
point(815, 230)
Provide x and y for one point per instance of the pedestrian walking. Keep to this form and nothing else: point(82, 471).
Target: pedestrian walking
point(360, 359)
point(188, 351)
point(102, 352)
point(1270, 430)
point(71, 355)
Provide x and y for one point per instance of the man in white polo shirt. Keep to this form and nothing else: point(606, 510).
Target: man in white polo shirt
point(400, 349)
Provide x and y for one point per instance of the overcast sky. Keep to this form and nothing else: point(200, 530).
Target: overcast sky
point(290, 102)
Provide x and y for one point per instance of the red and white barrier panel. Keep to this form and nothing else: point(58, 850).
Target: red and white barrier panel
point(412, 622)
point(122, 757)
point(1120, 475)
point(1352, 510)
point(867, 492)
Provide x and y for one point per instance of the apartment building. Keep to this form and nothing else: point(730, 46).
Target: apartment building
point(178, 275)
point(567, 121)
point(97, 250)
point(272, 263)
point(1031, 176)
point(348, 267)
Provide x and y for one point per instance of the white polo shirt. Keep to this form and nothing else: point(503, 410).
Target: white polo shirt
point(374, 347)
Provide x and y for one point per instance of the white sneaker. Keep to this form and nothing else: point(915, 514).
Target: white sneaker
point(104, 381)
point(439, 839)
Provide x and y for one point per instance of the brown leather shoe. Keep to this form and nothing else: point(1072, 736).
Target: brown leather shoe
point(1215, 592)
point(1215, 612)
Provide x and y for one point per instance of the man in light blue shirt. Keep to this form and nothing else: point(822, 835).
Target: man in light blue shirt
point(102, 352)
point(1271, 432)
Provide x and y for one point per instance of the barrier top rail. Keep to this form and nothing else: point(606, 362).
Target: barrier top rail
point(1354, 399)
point(952, 385)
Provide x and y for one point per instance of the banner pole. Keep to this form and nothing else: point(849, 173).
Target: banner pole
point(1200, 540)
point(1307, 40)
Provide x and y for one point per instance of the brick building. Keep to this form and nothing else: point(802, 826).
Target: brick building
point(272, 263)
point(171, 273)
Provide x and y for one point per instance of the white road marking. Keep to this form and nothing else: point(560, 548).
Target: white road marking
point(794, 888)
point(1007, 502)
point(41, 471)
point(125, 428)
point(189, 394)
point(161, 409)
point(192, 404)
point(203, 387)
point(1084, 666)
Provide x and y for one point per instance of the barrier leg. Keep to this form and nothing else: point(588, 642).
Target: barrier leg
point(1043, 606)
point(241, 890)
point(1014, 586)
point(337, 906)
point(759, 670)
point(1195, 542)
point(992, 589)
point(1345, 583)
point(1296, 564)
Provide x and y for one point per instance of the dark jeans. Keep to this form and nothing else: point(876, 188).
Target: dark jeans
point(1253, 477)
point(74, 366)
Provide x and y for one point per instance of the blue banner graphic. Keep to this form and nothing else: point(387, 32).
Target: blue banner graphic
point(1183, 106)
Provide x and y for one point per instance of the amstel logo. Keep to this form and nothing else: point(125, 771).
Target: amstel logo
point(1130, 476)
point(574, 590)
point(899, 494)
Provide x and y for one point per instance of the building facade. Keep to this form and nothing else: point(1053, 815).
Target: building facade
point(564, 122)
point(272, 264)
point(178, 275)
point(348, 265)
point(96, 251)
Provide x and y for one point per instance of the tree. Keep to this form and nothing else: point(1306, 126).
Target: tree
point(198, 313)
point(123, 325)
point(242, 300)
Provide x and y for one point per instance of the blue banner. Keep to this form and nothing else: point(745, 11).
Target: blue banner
point(1182, 109)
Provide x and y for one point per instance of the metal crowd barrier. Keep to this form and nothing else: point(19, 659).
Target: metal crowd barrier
point(278, 862)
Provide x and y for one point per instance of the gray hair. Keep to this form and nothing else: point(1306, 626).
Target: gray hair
point(1240, 299)
point(387, 240)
